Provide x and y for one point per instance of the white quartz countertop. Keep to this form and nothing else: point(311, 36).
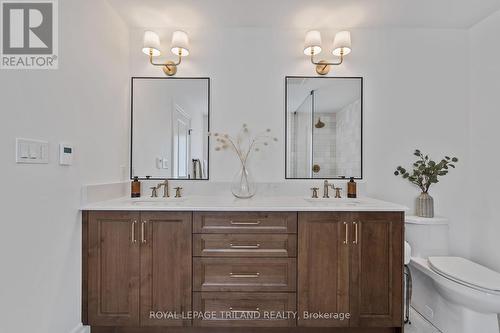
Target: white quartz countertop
point(257, 203)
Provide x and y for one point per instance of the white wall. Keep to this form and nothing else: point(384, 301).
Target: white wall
point(84, 102)
point(415, 96)
point(484, 118)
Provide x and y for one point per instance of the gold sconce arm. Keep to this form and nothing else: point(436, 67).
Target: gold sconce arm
point(169, 67)
point(323, 66)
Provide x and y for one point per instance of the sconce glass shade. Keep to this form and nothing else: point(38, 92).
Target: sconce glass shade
point(312, 44)
point(342, 42)
point(151, 43)
point(180, 43)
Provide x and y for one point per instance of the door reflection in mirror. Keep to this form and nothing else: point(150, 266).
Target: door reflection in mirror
point(170, 126)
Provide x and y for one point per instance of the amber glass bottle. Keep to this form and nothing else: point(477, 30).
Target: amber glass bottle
point(135, 188)
point(351, 188)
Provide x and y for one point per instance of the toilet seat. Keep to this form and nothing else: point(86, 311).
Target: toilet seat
point(467, 273)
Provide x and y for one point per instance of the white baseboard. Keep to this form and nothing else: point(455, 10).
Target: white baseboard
point(80, 329)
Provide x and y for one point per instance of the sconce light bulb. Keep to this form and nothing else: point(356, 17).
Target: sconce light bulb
point(312, 43)
point(180, 43)
point(151, 43)
point(342, 43)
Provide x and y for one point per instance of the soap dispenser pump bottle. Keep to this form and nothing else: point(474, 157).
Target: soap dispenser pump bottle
point(351, 188)
point(135, 188)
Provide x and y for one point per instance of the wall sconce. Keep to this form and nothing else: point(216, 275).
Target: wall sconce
point(341, 48)
point(179, 47)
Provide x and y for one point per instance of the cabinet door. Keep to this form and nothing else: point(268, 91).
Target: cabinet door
point(165, 267)
point(113, 269)
point(323, 268)
point(376, 269)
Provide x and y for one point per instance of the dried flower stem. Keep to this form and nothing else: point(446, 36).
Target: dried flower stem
point(236, 143)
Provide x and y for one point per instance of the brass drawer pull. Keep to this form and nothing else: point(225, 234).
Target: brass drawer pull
point(143, 226)
point(244, 275)
point(233, 310)
point(236, 246)
point(346, 239)
point(355, 232)
point(133, 232)
point(245, 222)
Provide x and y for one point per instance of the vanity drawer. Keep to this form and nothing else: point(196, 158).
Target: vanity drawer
point(244, 274)
point(245, 222)
point(245, 245)
point(245, 309)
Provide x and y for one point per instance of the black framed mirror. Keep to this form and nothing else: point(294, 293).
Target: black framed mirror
point(170, 125)
point(323, 127)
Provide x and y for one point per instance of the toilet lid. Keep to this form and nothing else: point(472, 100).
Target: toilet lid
point(466, 272)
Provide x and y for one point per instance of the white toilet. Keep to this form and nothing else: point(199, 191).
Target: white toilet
point(456, 295)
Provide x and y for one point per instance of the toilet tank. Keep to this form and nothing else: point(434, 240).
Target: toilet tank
point(427, 236)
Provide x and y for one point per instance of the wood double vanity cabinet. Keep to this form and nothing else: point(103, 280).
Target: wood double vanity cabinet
point(183, 271)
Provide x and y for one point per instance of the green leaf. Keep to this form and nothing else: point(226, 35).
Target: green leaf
point(426, 171)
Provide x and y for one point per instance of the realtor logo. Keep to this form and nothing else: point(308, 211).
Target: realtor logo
point(29, 35)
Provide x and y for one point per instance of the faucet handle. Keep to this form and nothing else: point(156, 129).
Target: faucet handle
point(337, 192)
point(315, 192)
point(154, 192)
point(178, 192)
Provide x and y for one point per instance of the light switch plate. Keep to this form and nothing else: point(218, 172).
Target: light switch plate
point(29, 151)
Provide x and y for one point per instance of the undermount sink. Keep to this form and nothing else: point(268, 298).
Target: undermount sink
point(335, 201)
point(157, 201)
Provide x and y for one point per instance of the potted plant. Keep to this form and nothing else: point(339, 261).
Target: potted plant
point(425, 173)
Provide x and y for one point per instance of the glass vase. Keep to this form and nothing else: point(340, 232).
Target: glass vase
point(243, 185)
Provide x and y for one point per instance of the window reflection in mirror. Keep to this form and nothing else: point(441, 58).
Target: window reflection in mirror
point(323, 127)
point(170, 126)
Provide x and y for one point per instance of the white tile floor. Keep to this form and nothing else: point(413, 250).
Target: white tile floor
point(419, 324)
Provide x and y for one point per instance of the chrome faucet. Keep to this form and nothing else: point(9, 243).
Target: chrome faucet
point(326, 187)
point(166, 192)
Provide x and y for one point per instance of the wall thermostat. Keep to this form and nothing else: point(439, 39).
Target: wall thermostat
point(65, 154)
